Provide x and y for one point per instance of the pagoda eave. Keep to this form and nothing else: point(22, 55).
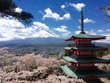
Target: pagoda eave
point(74, 38)
point(94, 60)
point(91, 62)
point(70, 72)
point(84, 48)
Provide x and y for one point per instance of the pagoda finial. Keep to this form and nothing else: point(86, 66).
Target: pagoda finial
point(82, 22)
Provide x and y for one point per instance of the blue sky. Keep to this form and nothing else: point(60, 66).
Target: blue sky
point(56, 18)
point(91, 11)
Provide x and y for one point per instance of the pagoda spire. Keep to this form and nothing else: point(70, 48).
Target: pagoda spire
point(82, 22)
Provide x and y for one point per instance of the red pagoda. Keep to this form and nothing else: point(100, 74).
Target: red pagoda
point(83, 59)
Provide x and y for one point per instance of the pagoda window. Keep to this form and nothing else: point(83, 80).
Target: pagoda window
point(74, 64)
point(77, 52)
point(83, 42)
point(77, 64)
point(85, 53)
point(86, 65)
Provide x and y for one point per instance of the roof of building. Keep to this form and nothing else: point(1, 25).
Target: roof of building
point(92, 60)
point(70, 72)
point(84, 48)
point(86, 36)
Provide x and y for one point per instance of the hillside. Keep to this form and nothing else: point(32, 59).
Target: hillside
point(34, 69)
point(49, 41)
point(31, 68)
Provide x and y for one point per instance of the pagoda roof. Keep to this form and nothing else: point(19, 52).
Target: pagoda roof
point(85, 48)
point(71, 72)
point(79, 60)
point(86, 36)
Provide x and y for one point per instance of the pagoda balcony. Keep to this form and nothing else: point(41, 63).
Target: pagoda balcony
point(72, 59)
point(80, 53)
point(72, 45)
point(83, 68)
point(84, 56)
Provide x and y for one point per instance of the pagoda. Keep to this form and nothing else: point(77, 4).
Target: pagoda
point(83, 59)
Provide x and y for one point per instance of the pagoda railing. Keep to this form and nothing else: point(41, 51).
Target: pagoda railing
point(82, 45)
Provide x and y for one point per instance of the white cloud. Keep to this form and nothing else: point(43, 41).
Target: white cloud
point(4, 22)
point(66, 16)
point(40, 26)
point(87, 20)
point(11, 29)
point(50, 14)
point(100, 30)
point(108, 12)
point(43, 34)
point(63, 31)
point(63, 6)
point(8, 29)
point(77, 32)
point(92, 32)
point(18, 10)
point(77, 6)
point(108, 30)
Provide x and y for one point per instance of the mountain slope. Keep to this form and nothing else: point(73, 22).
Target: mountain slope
point(50, 41)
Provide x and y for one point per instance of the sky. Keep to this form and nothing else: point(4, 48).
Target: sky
point(56, 18)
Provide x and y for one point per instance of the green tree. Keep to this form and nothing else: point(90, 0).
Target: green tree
point(7, 7)
point(99, 53)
